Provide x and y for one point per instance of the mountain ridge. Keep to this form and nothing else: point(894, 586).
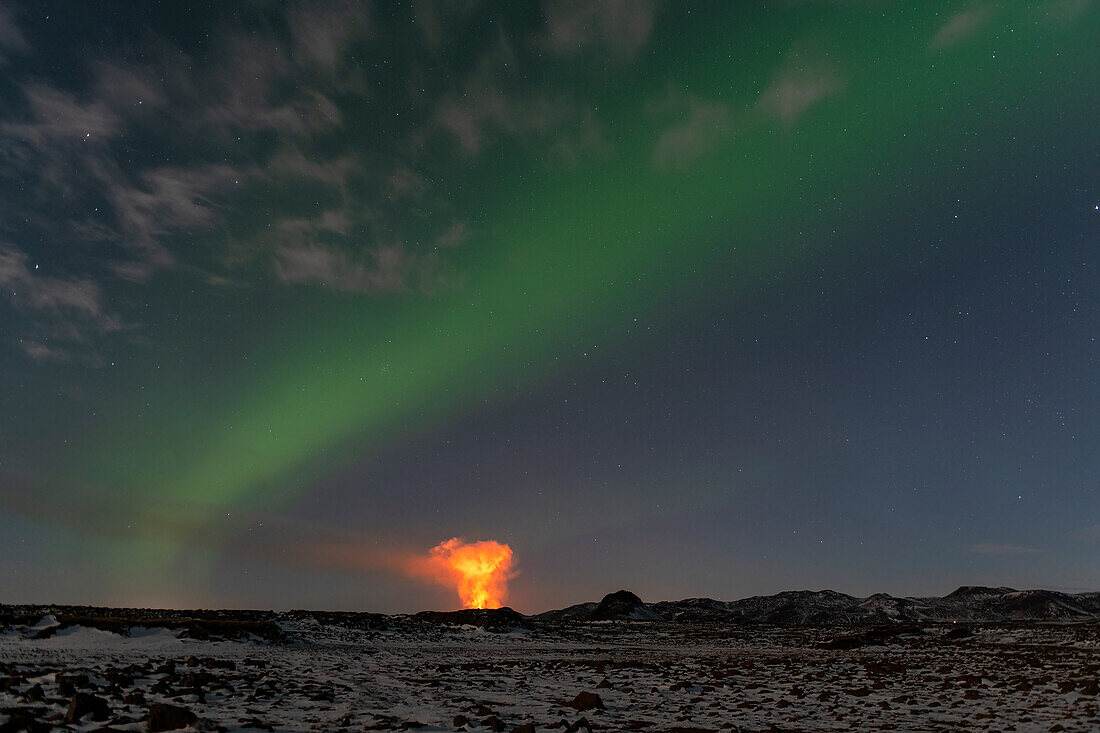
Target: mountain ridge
point(966, 604)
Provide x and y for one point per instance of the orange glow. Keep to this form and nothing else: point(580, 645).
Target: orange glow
point(479, 571)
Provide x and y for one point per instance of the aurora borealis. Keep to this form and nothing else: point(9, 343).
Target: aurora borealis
point(706, 299)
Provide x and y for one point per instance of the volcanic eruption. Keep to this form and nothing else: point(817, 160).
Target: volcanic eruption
point(479, 571)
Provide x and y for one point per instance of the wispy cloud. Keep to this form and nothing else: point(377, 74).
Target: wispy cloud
point(1064, 11)
point(703, 125)
point(993, 548)
point(961, 26)
point(616, 29)
point(44, 353)
point(488, 103)
point(12, 42)
point(382, 269)
point(63, 309)
point(42, 293)
point(322, 31)
point(805, 77)
point(1090, 533)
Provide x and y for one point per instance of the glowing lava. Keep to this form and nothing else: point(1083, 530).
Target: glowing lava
point(479, 571)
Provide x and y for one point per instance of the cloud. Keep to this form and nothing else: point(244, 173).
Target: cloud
point(805, 78)
point(44, 353)
point(992, 548)
point(52, 308)
point(321, 31)
point(960, 26)
point(454, 235)
point(165, 200)
point(61, 117)
point(246, 93)
point(487, 102)
point(1086, 534)
point(615, 29)
point(42, 293)
point(704, 125)
point(291, 162)
point(1061, 12)
point(381, 269)
point(11, 38)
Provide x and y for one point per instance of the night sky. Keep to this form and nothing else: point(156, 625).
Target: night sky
point(696, 299)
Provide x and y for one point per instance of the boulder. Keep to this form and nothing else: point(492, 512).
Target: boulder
point(85, 704)
point(587, 701)
point(163, 716)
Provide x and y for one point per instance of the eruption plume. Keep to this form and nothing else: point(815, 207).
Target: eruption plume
point(479, 571)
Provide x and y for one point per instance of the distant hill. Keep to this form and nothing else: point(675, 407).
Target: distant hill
point(972, 604)
point(968, 604)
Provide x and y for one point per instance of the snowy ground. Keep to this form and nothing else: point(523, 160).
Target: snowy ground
point(648, 676)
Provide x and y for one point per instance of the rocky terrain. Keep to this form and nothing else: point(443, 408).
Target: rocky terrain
point(985, 659)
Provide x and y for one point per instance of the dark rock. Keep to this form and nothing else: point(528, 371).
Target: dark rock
point(460, 720)
point(134, 698)
point(79, 681)
point(197, 680)
point(604, 684)
point(525, 728)
point(577, 725)
point(119, 677)
point(23, 721)
point(493, 723)
point(959, 632)
point(256, 723)
point(85, 704)
point(587, 701)
point(34, 694)
point(170, 717)
point(843, 642)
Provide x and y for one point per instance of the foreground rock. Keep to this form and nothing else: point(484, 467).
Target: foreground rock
point(587, 701)
point(90, 706)
point(164, 717)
